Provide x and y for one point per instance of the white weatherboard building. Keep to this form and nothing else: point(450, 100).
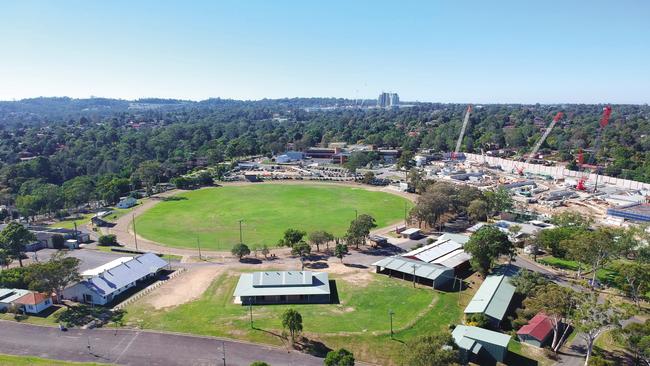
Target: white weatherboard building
point(282, 287)
point(102, 288)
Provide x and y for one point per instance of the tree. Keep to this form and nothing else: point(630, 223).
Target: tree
point(359, 229)
point(486, 246)
point(320, 237)
point(58, 241)
point(13, 239)
point(433, 350)
point(430, 206)
point(5, 258)
point(597, 248)
point(368, 178)
point(637, 339)
point(54, 275)
point(107, 240)
point(592, 319)
point(340, 357)
point(478, 210)
point(292, 321)
point(527, 282)
point(499, 200)
point(554, 239)
point(572, 219)
point(340, 250)
point(240, 250)
point(634, 279)
point(78, 190)
point(558, 303)
point(301, 249)
point(265, 250)
point(291, 237)
point(148, 174)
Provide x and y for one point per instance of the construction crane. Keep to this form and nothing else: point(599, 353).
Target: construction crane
point(539, 143)
point(580, 186)
point(604, 120)
point(462, 131)
point(558, 117)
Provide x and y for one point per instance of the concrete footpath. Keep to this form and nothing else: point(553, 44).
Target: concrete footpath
point(131, 347)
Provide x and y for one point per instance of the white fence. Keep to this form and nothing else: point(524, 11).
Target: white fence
point(556, 172)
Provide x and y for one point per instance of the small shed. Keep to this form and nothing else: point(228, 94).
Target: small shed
point(538, 331)
point(492, 298)
point(127, 202)
point(411, 233)
point(480, 345)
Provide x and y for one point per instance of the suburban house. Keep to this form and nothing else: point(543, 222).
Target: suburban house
point(480, 345)
point(101, 288)
point(538, 331)
point(446, 251)
point(127, 202)
point(430, 274)
point(282, 287)
point(34, 302)
point(492, 298)
point(9, 295)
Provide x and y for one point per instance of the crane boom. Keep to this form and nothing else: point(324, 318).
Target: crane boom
point(539, 143)
point(462, 130)
point(607, 112)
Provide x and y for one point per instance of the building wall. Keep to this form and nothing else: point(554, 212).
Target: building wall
point(289, 299)
point(35, 309)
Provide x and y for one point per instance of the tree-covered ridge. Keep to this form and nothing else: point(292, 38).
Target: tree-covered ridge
point(99, 138)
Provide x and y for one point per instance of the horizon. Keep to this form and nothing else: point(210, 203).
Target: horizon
point(484, 53)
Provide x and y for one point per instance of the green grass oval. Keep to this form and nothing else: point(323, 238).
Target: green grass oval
point(212, 215)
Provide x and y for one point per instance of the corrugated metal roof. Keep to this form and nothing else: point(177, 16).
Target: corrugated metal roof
point(319, 286)
point(110, 265)
point(8, 295)
point(492, 298)
point(422, 269)
point(462, 333)
point(539, 327)
point(118, 277)
point(431, 252)
point(453, 259)
point(282, 278)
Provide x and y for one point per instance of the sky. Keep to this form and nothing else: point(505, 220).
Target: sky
point(550, 51)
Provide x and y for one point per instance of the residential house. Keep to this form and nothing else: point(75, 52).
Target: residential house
point(127, 202)
point(538, 331)
point(34, 302)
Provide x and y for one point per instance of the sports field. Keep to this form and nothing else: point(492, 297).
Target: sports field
point(212, 215)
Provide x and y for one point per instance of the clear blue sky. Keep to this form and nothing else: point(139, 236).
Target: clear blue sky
point(449, 51)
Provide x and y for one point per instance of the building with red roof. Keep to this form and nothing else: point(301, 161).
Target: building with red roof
point(538, 331)
point(34, 302)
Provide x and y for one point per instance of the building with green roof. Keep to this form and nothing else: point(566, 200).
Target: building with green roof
point(478, 344)
point(492, 298)
point(282, 287)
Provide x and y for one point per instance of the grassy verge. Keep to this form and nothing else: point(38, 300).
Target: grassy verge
point(360, 322)
point(49, 319)
point(562, 263)
point(10, 360)
point(168, 257)
point(69, 223)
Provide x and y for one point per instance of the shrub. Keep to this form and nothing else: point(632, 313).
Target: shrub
point(108, 240)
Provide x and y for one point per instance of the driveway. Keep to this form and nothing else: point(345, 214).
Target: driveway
point(129, 347)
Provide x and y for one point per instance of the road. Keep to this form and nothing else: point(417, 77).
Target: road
point(130, 347)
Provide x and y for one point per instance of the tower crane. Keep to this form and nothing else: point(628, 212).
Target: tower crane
point(462, 132)
point(604, 120)
point(556, 119)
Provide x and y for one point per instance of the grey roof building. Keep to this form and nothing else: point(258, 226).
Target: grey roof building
point(478, 344)
point(492, 298)
point(102, 288)
point(281, 287)
point(430, 274)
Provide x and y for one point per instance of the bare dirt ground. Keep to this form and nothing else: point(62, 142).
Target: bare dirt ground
point(184, 288)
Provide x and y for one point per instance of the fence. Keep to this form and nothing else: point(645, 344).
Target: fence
point(556, 172)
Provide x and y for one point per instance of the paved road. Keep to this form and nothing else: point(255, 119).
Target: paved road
point(128, 347)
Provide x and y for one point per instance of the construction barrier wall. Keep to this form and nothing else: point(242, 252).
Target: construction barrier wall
point(555, 171)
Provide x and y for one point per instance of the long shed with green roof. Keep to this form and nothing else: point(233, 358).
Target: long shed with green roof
point(478, 344)
point(492, 298)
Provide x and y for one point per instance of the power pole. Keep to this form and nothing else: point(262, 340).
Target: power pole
point(391, 313)
point(240, 233)
point(223, 348)
point(414, 268)
point(250, 308)
point(135, 234)
point(198, 243)
point(405, 220)
point(356, 214)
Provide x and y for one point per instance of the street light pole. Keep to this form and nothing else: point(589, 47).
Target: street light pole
point(198, 243)
point(250, 308)
point(240, 233)
point(391, 313)
point(415, 266)
point(135, 234)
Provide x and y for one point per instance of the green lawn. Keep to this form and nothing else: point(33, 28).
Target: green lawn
point(562, 263)
point(360, 322)
point(10, 360)
point(69, 223)
point(267, 210)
